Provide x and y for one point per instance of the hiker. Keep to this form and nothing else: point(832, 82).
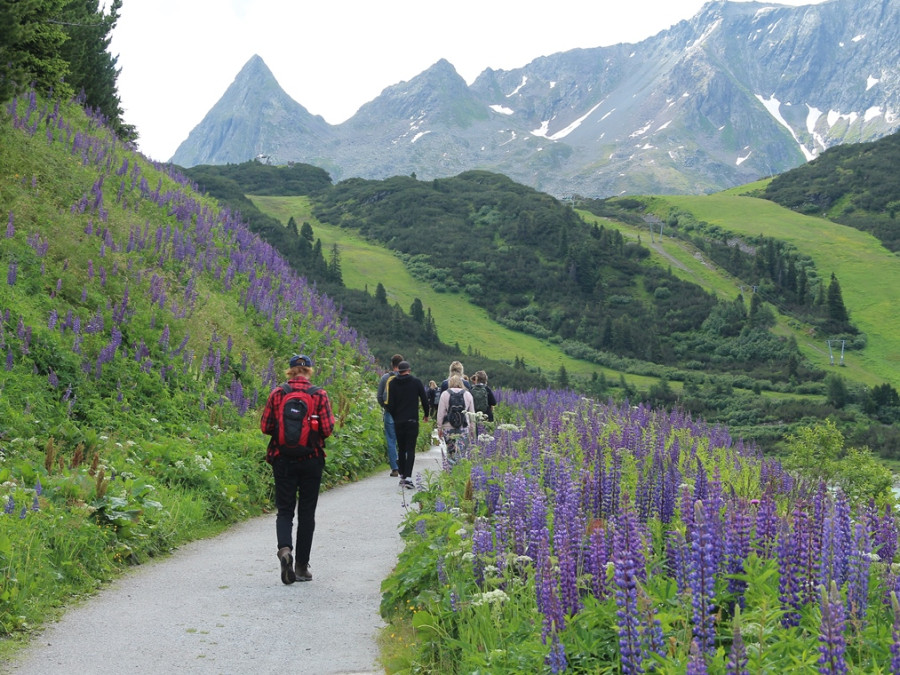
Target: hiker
point(456, 368)
point(390, 434)
point(455, 410)
point(483, 398)
point(297, 470)
point(434, 393)
point(404, 393)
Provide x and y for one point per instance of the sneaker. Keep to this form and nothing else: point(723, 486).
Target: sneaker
point(394, 473)
point(408, 484)
point(287, 565)
point(302, 572)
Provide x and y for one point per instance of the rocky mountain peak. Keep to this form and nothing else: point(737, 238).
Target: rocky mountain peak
point(739, 91)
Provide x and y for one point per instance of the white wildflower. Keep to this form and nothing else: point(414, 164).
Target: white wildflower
point(495, 597)
point(507, 427)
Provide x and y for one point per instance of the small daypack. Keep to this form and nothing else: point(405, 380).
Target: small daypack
point(385, 395)
point(456, 410)
point(298, 430)
point(480, 398)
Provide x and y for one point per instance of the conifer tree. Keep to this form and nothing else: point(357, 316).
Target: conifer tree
point(837, 312)
point(334, 265)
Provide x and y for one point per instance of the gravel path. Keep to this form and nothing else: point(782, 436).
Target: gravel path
point(218, 605)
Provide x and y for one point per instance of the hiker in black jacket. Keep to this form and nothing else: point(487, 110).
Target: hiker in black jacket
point(404, 394)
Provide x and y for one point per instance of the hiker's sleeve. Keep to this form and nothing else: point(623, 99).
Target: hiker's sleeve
point(423, 397)
point(326, 416)
point(267, 423)
point(442, 408)
point(492, 400)
point(380, 394)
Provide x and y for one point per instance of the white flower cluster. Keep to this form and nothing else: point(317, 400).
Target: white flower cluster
point(495, 597)
point(203, 462)
point(507, 427)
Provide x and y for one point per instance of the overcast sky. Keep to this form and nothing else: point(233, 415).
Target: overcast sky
point(177, 57)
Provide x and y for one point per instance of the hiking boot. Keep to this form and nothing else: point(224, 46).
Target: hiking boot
point(302, 572)
point(394, 473)
point(408, 484)
point(287, 565)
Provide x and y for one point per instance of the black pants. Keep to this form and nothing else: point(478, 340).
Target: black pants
point(407, 435)
point(297, 484)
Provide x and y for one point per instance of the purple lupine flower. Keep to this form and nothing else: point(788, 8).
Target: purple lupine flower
point(886, 535)
point(548, 601)
point(858, 578)
point(627, 558)
point(482, 546)
point(702, 579)
point(10, 505)
point(737, 655)
point(38, 488)
point(11, 272)
point(556, 659)
point(10, 361)
point(23, 513)
point(53, 379)
point(697, 662)
point(652, 639)
point(895, 634)
point(832, 643)
point(35, 504)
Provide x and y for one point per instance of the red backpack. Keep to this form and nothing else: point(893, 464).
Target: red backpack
point(298, 430)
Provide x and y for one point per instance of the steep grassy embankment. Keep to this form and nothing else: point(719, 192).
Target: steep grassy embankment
point(141, 329)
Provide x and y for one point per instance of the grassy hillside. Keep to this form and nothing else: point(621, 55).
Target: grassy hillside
point(869, 274)
point(141, 328)
point(365, 265)
point(687, 261)
point(855, 184)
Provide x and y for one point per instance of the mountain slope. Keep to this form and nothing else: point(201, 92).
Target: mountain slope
point(739, 91)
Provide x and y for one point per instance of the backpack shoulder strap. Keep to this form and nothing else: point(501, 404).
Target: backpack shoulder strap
point(287, 389)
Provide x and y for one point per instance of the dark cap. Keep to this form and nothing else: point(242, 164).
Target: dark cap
point(403, 366)
point(300, 360)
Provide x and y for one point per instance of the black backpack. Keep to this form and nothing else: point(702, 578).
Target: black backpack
point(456, 410)
point(480, 398)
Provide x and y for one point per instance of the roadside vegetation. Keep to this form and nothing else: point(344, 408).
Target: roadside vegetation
point(586, 538)
point(141, 328)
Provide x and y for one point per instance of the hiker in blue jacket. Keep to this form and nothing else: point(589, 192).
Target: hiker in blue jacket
point(390, 434)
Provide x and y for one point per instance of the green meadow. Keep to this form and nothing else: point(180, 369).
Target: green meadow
point(869, 274)
point(688, 263)
point(364, 265)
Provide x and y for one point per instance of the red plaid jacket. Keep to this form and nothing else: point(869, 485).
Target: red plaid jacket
point(268, 424)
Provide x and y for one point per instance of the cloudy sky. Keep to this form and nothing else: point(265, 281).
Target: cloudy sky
point(177, 57)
